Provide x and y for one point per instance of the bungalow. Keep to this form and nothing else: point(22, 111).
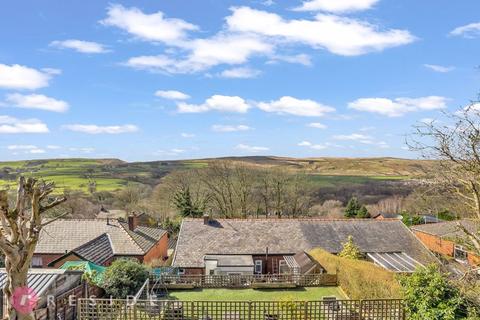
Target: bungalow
point(448, 238)
point(99, 241)
point(270, 246)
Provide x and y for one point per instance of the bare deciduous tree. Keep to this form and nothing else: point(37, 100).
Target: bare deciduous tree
point(20, 229)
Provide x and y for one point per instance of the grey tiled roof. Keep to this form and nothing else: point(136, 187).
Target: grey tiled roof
point(66, 235)
point(289, 236)
point(98, 250)
point(449, 229)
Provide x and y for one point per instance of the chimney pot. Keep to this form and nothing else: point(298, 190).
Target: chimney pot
point(132, 222)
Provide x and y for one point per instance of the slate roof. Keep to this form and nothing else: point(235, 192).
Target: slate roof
point(449, 229)
point(289, 236)
point(98, 250)
point(66, 235)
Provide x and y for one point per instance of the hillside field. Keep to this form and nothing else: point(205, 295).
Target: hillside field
point(113, 174)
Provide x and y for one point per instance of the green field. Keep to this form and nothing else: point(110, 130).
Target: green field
point(113, 174)
point(301, 294)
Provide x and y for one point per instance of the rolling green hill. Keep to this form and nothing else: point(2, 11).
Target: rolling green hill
point(113, 174)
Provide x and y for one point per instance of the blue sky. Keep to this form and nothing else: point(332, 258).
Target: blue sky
point(147, 80)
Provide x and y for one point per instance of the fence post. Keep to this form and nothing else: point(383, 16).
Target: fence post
point(361, 309)
point(305, 310)
point(249, 310)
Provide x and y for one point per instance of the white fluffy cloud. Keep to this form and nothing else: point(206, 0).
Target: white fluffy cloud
point(216, 103)
point(13, 125)
point(339, 35)
point(361, 138)
point(471, 30)
point(149, 27)
point(95, 129)
point(438, 68)
point(300, 58)
point(317, 125)
point(37, 101)
point(336, 6)
point(230, 128)
point(16, 76)
point(172, 95)
point(250, 149)
point(187, 135)
point(398, 106)
point(25, 149)
point(240, 73)
point(312, 145)
point(294, 106)
point(80, 46)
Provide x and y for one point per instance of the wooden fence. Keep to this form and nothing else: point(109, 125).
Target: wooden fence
point(242, 281)
point(330, 309)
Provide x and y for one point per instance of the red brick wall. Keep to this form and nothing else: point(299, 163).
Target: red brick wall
point(159, 251)
point(442, 246)
point(47, 258)
point(194, 271)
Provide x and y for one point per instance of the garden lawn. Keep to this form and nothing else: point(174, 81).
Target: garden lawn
point(300, 294)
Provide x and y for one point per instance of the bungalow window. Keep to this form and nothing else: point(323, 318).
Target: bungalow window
point(258, 266)
point(282, 266)
point(37, 262)
point(181, 271)
point(460, 254)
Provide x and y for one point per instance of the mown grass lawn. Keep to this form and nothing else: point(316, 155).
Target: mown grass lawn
point(300, 294)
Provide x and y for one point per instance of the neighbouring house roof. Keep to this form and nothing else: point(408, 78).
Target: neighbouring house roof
point(395, 261)
point(449, 229)
point(84, 236)
point(290, 236)
point(305, 262)
point(39, 279)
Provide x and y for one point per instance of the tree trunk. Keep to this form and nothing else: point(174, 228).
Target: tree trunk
point(16, 278)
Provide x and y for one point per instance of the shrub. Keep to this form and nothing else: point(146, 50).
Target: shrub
point(124, 278)
point(429, 295)
point(359, 279)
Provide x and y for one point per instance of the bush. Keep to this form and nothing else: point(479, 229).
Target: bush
point(359, 279)
point(350, 250)
point(124, 278)
point(429, 295)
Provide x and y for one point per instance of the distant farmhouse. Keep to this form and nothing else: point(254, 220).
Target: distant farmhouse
point(99, 241)
point(269, 246)
point(448, 238)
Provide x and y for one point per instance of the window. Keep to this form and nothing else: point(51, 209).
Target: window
point(460, 254)
point(37, 261)
point(181, 271)
point(258, 266)
point(282, 266)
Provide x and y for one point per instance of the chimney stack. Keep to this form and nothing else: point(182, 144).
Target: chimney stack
point(206, 219)
point(132, 221)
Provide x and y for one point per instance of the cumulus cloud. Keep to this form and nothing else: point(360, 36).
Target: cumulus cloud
point(361, 138)
point(149, 27)
point(339, 35)
point(294, 106)
point(16, 76)
point(172, 95)
point(250, 149)
point(37, 101)
point(80, 46)
point(438, 68)
point(13, 125)
point(398, 106)
point(95, 129)
point(187, 135)
point(301, 58)
point(336, 6)
point(471, 30)
point(240, 73)
point(312, 146)
point(230, 128)
point(317, 125)
point(216, 103)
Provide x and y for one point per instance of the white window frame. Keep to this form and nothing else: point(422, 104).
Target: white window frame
point(461, 249)
point(258, 264)
point(282, 263)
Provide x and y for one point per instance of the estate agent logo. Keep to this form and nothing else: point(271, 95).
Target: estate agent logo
point(24, 300)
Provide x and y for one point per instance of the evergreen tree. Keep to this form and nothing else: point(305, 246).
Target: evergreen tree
point(363, 212)
point(350, 250)
point(185, 204)
point(352, 208)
